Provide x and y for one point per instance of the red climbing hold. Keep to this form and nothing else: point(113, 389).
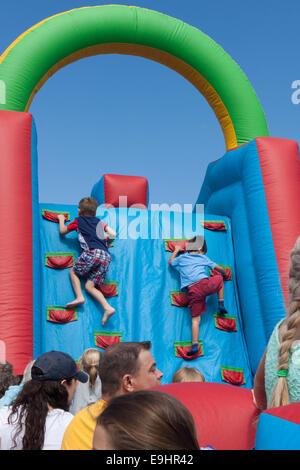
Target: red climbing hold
point(182, 347)
point(216, 226)
point(233, 375)
point(227, 270)
point(171, 243)
point(52, 215)
point(225, 322)
point(179, 298)
point(103, 339)
point(109, 289)
point(59, 260)
point(61, 315)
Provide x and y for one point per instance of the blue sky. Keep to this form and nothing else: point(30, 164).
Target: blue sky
point(128, 115)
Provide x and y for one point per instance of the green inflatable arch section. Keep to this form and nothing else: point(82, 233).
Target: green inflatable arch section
point(59, 40)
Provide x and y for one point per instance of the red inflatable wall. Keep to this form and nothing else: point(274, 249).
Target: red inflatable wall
point(16, 277)
point(225, 415)
point(280, 167)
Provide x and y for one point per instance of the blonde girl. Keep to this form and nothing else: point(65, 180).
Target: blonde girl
point(90, 392)
point(277, 381)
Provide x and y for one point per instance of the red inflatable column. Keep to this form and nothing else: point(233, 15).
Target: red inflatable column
point(16, 271)
point(280, 167)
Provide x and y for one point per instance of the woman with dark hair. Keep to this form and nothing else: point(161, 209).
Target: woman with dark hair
point(145, 420)
point(37, 419)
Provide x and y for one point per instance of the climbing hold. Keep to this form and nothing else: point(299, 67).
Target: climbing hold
point(179, 298)
point(215, 225)
point(232, 375)
point(225, 322)
point(61, 314)
point(228, 271)
point(109, 288)
point(182, 347)
point(52, 215)
point(170, 243)
point(103, 339)
point(59, 260)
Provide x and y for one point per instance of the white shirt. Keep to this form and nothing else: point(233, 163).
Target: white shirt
point(56, 423)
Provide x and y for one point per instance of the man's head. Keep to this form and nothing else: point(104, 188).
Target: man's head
point(128, 367)
point(87, 206)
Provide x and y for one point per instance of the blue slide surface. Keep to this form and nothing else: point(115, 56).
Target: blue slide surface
point(143, 304)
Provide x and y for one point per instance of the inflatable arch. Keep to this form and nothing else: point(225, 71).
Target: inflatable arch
point(254, 187)
point(64, 38)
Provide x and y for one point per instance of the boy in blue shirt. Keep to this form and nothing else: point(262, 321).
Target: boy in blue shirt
point(95, 258)
point(194, 277)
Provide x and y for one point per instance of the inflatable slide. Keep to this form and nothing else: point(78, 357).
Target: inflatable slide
point(250, 195)
point(145, 291)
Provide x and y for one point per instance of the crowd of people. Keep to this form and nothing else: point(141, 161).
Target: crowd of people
point(105, 403)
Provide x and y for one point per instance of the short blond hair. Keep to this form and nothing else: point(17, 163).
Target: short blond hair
point(188, 374)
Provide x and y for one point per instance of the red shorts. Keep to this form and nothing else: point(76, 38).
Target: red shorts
point(198, 292)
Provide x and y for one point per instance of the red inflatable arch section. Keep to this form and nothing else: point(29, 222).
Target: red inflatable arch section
point(225, 416)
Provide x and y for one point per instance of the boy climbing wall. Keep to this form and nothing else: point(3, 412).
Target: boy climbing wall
point(95, 258)
point(193, 269)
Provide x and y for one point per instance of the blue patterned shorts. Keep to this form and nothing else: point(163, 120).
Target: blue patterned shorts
point(94, 264)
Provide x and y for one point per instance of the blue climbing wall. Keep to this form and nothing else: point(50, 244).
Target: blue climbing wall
point(143, 304)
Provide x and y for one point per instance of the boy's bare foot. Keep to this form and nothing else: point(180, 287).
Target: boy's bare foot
point(107, 314)
point(75, 303)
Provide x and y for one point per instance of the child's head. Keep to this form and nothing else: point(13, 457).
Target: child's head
point(197, 244)
point(188, 374)
point(89, 362)
point(145, 420)
point(88, 206)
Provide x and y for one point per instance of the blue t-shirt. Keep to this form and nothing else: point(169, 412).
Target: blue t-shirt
point(10, 395)
point(192, 268)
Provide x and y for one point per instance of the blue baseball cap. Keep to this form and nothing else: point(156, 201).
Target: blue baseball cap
point(57, 365)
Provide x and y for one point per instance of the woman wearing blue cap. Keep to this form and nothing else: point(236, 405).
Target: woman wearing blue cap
point(37, 419)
